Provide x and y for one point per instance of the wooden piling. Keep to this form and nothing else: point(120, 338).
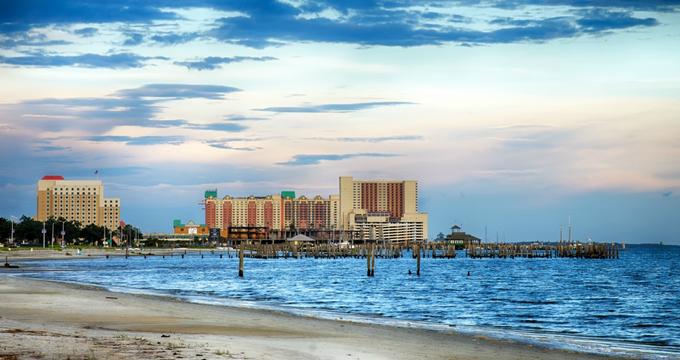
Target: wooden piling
point(418, 260)
point(240, 261)
point(372, 262)
point(368, 260)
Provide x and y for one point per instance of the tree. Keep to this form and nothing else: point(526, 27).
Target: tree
point(71, 227)
point(28, 229)
point(92, 234)
point(5, 229)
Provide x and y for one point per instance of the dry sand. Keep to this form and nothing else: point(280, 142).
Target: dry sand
point(49, 320)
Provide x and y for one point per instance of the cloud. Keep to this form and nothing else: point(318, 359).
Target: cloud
point(372, 139)
point(313, 159)
point(174, 38)
point(137, 140)
point(52, 148)
point(39, 12)
point(178, 91)
point(25, 39)
point(86, 32)
point(112, 61)
point(323, 108)
point(236, 117)
point(390, 24)
point(133, 39)
point(228, 127)
point(599, 20)
point(263, 24)
point(651, 5)
point(214, 62)
point(132, 107)
point(226, 146)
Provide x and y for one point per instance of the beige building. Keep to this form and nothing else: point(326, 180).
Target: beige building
point(274, 212)
point(78, 200)
point(384, 209)
point(251, 211)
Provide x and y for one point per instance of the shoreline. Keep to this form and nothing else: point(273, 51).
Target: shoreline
point(260, 333)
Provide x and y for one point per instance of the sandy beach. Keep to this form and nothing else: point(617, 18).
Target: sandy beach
point(50, 320)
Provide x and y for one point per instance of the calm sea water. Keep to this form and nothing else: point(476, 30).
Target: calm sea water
point(629, 306)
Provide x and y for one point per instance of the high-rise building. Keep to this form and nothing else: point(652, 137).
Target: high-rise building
point(375, 209)
point(382, 209)
point(78, 200)
point(274, 212)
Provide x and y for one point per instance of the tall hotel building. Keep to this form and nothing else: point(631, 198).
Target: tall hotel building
point(382, 209)
point(76, 200)
point(376, 209)
point(274, 212)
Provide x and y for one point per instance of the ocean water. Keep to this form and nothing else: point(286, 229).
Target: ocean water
point(625, 307)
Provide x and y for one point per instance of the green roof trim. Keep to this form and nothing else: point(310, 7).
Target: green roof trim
point(177, 223)
point(288, 194)
point(211, 193)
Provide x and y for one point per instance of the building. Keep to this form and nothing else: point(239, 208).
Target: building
point(460, 238)
point(382, 209)
point(76, 200)
point(376, 209)
point(274, 212)
point(190, 228)
point(302, 213)
point(253, 211)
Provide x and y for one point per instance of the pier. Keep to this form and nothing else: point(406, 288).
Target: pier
point(370, 250)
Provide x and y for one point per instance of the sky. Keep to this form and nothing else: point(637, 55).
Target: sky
point(513, 116)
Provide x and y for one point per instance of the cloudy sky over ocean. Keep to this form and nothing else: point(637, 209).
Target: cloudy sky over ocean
point(512, 115)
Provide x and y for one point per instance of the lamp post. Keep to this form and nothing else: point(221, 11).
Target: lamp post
point(11, 233)
point(52, 243)
point(44, 231)
point(63, 234)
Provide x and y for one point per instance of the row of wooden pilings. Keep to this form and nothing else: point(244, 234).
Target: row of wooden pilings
point(561, 250)
point(367, 251)
point(436, 250)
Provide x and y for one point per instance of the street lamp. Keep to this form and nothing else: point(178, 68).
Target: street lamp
point(11, 234)
point(52, 243)
point(43, 233)
point(63, 233)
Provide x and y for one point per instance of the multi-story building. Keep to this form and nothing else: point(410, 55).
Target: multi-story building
point(384, 209)
point(380, 209)
point(76, 200)
point(252, 211)
point(303, 213)
point(274, 212)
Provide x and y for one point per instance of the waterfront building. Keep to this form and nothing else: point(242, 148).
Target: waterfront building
point(274, 212)
point(460, 238)
point(375, 209)
point(382, 209)
point(189, 228)
point(252, 211)
point(76, 200)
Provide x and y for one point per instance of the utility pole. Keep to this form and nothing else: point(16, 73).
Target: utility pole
point(569, 229)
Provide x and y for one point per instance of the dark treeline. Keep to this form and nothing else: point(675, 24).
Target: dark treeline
point(29, 231)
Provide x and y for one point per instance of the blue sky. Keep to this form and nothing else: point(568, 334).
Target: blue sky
point(512, 115)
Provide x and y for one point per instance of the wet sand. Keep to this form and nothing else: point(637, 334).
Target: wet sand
point(49, 320)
